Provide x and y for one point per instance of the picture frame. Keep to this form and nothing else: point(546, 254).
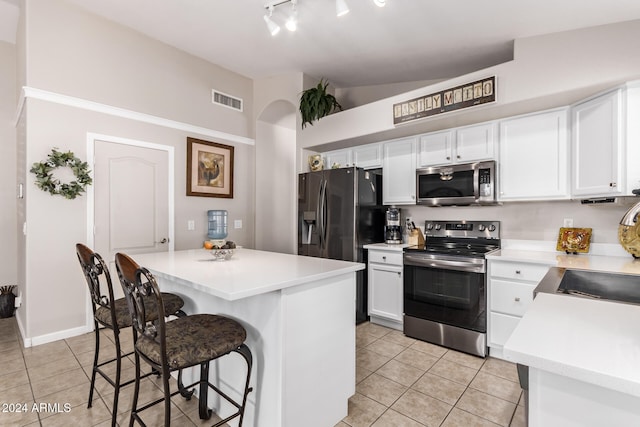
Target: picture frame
point(209, 169)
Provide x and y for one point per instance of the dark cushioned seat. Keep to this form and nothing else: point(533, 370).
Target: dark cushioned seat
point(194, 339)
point(172, 303)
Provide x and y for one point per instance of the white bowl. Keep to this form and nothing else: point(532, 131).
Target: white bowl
point(222, 254)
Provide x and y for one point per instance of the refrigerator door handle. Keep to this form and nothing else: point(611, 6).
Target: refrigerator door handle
point(323, 214)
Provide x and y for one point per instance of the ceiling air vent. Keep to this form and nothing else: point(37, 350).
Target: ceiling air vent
point(225, 100)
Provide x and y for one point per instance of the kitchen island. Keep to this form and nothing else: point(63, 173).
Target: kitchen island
point(299, 313)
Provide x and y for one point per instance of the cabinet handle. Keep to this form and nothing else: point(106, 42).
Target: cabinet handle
point(517, 271)
point(384, 258)
point(399, 274)
point(517, 299)
point(457, 157)
point(613, 184)
point(448, 158)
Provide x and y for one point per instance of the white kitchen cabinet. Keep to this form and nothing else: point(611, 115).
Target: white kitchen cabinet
point(460, 145)
point(385, 298)
point(534, 157)
point(338, 158)
point(399, 172)
point(367, 156)
point(435, 148)
point(604, 143)
point(510, 292)
point(474, 143)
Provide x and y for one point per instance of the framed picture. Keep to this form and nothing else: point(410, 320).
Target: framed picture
point(209, 169)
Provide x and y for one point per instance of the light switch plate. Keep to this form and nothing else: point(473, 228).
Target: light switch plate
point(191, 225)
point(237, 223)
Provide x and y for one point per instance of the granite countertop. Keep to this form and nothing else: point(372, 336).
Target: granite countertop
point(248, 273)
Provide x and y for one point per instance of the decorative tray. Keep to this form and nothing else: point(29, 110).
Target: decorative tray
point(574, 240)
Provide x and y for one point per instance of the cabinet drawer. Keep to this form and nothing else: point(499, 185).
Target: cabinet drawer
point(520, 271)
point(385, 257)
point(510, 297)
point(502, 326)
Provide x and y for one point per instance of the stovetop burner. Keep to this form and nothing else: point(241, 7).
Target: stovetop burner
point(460, 238)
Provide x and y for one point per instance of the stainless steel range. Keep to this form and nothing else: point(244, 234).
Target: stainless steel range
point(445, 284)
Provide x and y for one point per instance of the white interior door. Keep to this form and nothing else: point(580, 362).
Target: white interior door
point(132, 209)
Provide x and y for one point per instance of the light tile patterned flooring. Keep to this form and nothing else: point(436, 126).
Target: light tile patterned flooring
point(59, 373)
point(401, 382)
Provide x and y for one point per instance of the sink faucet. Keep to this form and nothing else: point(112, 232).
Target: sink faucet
point(629, 231)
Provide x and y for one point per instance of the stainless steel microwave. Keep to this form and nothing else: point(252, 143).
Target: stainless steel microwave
point(463, 184)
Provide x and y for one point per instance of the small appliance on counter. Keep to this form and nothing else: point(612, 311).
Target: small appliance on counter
point(392, 229)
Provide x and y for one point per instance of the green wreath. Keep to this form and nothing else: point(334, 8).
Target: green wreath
point(46, 181)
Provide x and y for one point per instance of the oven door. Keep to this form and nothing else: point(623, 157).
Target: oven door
point(446, 289)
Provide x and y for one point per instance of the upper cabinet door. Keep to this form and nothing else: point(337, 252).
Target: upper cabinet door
point(597, 146)
point(399, 172)
point(368, 156)
point(475, 143)
point(337, 159)
point(435, 149)
point(534, 157)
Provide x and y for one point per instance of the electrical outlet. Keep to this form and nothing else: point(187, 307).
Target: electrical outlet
point(237, 223)
point(568, 222)
point(191, 225)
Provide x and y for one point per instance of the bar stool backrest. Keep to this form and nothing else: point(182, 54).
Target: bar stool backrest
point(143, 296)
point(96, 272)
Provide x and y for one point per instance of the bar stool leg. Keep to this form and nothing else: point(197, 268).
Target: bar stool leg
point(136, 390)
point(95, 364)
point(117, 381)
point(246, 353)
point(183, 391)
point(205, 412)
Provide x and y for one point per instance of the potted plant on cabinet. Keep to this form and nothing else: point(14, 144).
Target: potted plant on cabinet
point(7, 301)
point(316, 103)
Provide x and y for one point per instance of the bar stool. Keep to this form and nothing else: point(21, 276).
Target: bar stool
point(111, 313)
point(181, 343)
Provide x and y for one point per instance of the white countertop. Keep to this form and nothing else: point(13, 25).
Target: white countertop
point(620, 264)
point(597, 342)
point(247, 273)
point(387, 247)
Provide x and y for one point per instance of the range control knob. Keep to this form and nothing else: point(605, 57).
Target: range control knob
point(482, 227)
point(429, 226)
point(438, 226)
point(492, 227)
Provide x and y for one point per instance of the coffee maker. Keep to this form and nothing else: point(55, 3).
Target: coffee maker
point(392, 229)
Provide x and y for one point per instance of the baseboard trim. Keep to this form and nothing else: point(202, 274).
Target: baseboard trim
point(55, 336)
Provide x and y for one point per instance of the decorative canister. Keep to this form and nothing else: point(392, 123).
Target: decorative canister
point(315, 162)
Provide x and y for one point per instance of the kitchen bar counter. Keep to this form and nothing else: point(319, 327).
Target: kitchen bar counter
point(299, 313)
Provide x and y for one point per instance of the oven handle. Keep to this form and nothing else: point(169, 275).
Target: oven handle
point(444, 264)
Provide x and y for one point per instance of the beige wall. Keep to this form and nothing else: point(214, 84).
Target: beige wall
point(73, 53)
point(8, 220)
point(547, 71)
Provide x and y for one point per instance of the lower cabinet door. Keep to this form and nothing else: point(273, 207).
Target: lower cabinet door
point(500, 329)
point(385, 291)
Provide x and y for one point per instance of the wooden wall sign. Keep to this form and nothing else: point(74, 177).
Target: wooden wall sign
point(459, 97)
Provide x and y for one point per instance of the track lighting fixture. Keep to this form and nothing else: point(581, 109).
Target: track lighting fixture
point(272, 26)
point(341, 7)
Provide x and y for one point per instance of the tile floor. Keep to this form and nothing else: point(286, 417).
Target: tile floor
point(401, 382)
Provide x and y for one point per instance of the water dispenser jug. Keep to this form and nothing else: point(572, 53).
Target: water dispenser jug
point(217, 228)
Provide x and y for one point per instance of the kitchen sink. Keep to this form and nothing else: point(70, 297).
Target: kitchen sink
point(591, 284)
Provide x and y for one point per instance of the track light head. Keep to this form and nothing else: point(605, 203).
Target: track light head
point(379, 3)
point(292, 22)
point(341, 7)
point(272, 26)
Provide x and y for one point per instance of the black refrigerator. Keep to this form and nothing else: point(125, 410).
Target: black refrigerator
point(340, 211)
